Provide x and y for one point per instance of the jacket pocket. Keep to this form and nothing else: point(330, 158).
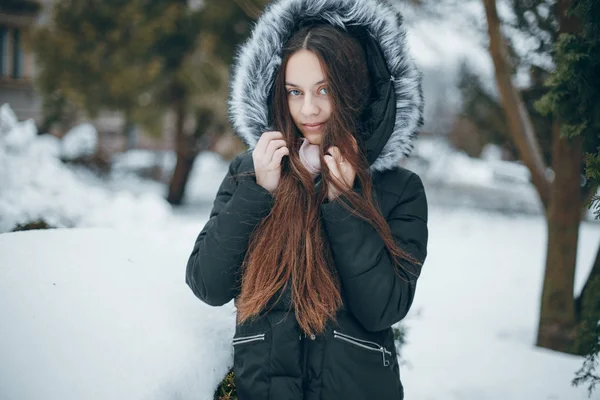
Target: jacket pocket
point(251, 364)
point(359, 369)
point(365, 344)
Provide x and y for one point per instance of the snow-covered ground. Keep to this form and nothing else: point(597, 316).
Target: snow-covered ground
point(104, 313)
point(455, 180)
point(473, 324)
point(36, 185)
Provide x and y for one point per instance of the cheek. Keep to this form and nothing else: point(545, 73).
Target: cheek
point(327, 108)
point(294, 109)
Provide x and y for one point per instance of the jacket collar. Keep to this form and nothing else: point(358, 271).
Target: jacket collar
point(396, 112)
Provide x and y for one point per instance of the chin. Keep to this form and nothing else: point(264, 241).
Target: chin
point(312, 138)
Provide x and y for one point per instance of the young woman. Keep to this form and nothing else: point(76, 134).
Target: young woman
point(316, 232)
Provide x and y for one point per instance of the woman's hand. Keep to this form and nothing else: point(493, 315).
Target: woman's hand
point(342, 172)
point(267, 156)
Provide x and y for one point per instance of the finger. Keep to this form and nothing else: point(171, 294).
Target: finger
point(337, 155)
point(278, 156)
point(264, 141)
point(271, 148)
point(345, 170)
point(333, 167)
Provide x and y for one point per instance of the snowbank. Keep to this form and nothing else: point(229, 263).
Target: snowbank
point(443, 163)
point(453, 179)
point(105, 314)
point(80, 141)
point(36, 185)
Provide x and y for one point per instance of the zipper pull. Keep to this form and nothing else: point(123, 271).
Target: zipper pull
point(385, 351)
point(385, 362)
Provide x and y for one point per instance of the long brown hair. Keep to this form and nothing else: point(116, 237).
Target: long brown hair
point(289, 245)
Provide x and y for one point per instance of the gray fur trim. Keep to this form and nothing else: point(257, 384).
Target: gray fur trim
point(258, 60)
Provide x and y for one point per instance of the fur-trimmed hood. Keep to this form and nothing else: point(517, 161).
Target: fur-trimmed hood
point(397, 111)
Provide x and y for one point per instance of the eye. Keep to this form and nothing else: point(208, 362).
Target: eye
point(294, 92)
point(324, 90)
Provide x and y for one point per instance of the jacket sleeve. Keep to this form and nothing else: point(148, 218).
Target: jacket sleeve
point(213, 267)
point(375, 293)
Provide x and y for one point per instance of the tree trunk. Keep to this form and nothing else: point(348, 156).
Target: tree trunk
point(520, 126)
point(183, 168)
point(568, 24)
point(579, 302)
point(129, 132)
point(131, 137)
point(562, 197)
point(188, 147)
point(557, 327)
point(185, 157)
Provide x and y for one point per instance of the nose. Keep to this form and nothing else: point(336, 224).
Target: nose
point(309, 108)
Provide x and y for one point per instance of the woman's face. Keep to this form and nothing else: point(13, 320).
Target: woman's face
point(307, 93)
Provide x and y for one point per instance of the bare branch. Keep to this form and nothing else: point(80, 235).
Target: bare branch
point(520, 125)
point(249, 8)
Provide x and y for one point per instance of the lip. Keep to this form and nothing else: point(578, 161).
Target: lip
point(313, 127)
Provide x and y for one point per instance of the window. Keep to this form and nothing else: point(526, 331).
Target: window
point(11, 53)
point(17, 67)
point(3, 51)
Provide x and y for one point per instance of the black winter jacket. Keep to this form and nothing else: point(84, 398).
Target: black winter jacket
point(356, 357)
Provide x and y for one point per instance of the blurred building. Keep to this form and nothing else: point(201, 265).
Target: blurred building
point(18, 71)
point(18, 88)
point(16, 62)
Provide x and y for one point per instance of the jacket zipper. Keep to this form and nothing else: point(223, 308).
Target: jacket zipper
point(248, 339)
point(365, 344)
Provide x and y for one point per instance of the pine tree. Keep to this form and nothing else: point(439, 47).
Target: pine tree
point(565, 193)
point(589, 338)
point(98, 55)
point(146, 59)
point(20, 6)
point(572, 95)
point(576, 100)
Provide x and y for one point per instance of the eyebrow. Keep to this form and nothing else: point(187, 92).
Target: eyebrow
point(293, 84)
